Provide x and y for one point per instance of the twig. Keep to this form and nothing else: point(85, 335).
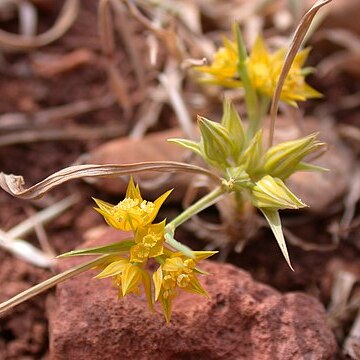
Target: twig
point(20, 120)
point(42, 217)
point(25, 251)
point(68, 15)
point(79, 133)
point(116, 81)
point(124, 27)
point(171, 80)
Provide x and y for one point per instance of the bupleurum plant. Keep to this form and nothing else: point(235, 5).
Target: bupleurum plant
point(240, 165)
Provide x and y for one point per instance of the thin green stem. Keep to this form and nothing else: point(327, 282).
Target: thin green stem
point(258, 121)
point(197, 207)
point(250, 93)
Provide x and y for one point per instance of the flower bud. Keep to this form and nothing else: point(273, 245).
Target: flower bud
point(215, 143)
point(283, 159)
point(272, 193)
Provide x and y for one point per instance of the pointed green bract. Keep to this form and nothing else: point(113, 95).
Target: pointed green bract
point(187, 144)
point(272, 193)
point(273, 218)
point(302, 166)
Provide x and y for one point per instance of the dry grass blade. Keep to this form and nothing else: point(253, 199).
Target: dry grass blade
point(76, 133)
point(307, 246)
point(167, 36)
point(124, 27)
point(13, 184)
point(16, 121)
point(351, 346)
point(296, 42)
point(28, 18)
point(65, 20)
point(25, 251)
point(47, 284)
point(343, 285)
point(12, 242)
point(41, 217)
point(171, 80)
point(117, 83)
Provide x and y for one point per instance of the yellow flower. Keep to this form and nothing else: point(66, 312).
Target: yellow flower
point(223, 70)
point(149, 242)
point(127, 277)
point(178, 272)
point(131, 212)
point(264, 72)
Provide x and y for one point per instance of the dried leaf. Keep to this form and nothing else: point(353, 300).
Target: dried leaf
point(14, 184)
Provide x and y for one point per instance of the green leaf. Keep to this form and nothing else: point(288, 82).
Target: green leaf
point(118, 247)
point(187, 144)
point(273, 218)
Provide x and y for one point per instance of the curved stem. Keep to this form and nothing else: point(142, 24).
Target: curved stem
point(206, 201)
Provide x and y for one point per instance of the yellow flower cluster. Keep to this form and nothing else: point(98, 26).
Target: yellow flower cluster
point(264, 71)
point(127, 266)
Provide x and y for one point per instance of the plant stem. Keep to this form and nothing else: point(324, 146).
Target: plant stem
point(197, 207)
point(250, 93)
point(256, 123)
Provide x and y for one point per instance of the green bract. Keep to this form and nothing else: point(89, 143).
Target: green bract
point(251, 170)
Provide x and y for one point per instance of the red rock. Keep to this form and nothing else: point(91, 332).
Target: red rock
point(243, 319)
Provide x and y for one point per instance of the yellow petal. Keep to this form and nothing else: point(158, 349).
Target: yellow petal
point(259, 51)
point(138, 253)
point(196, 287)
point(158, 202)
point(133, 192)
point(173, 264)
point(113, 269)
point(157, 279)
point(167, 307)
point(130, 279)
point(301, 57)
point(103, 205)
point(147, 287)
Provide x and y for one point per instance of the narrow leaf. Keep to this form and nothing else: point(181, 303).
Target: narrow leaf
point(187, 144)
point(273, 218)
point(118, 247)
